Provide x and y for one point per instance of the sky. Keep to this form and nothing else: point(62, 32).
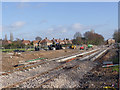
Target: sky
point(58, 19)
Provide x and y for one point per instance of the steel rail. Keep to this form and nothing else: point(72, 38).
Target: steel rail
point(43, 62)
point(17, 83)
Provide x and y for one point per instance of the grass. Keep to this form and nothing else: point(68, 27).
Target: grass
point(115, 68)
point(11, 50)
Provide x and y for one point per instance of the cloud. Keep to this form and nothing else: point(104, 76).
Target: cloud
point(62, 30)
point(65, 29)
point(79, 27)
point(15, 26)
point(18, 24)
point(58, 29)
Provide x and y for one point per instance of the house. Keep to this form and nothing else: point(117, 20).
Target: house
point(9, 42)
point(36, 43)
point(6, 42)
point(54, 41)
point(67, 41)
point(110, 41)
point(61, 41)
point(57, 41)
point(26, 42)
point(46, 42)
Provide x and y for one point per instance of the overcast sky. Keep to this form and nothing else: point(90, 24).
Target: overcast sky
point(58, 19)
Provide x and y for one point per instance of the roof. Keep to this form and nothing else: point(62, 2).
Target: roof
point(26, 41)
point(9, 42)
point(35, 41)
point(64, 40)
point(46, 40)
point(57, 40)
point(61, 40)
point(6, 42)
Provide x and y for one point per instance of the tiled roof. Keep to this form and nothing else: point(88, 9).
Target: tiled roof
point(9, 42)
point(35, 41)
point(46, 40)
point(26, 41)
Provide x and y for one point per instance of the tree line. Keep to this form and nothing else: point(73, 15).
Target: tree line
point(89, 37)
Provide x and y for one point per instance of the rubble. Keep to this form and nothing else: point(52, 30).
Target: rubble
point(9, 60)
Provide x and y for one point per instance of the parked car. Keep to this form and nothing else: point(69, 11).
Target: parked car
point(82, 48)
point(72, 47)
point(90, 45)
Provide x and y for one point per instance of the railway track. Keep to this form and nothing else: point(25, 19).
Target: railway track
point(44, 61)
point(74, 67)
point(41, 82)
point(54, 77)
point(59, 67)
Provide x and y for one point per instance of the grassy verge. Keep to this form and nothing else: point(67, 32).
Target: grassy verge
point(11, 50)
point(115, 68)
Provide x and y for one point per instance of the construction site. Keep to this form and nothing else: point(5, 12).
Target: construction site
point(64, 68)
point(59, 44)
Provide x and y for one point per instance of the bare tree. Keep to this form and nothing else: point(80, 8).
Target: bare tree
point(77, 38)
point(77, 34)
point(38, 38)
point(93, 38)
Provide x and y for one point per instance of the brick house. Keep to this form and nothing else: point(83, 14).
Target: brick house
point(61, 41)
point(26, 42)
point(67, 41)
point(36, 42)
point(57, 41)
point(46, 42)
point(6, 42)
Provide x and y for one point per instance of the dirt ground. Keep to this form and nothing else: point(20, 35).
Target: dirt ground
point(9, 59)
point(100, 77)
